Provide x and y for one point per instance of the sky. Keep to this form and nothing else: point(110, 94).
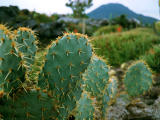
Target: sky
point(145, 7)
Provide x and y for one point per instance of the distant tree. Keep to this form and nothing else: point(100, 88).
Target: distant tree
point(79, 6)
point(122, 20)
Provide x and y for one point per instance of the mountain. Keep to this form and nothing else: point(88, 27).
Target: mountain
point(113, 10)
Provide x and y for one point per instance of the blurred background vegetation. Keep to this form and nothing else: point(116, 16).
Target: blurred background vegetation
point(119, 39)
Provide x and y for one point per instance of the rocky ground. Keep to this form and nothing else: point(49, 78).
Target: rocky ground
point(146, 107)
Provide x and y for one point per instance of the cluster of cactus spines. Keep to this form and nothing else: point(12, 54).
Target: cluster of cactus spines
point(96, 77)
point(85, 109)
point(66, 60)
point(26, 40)
point(138, 79)
point(11, 62)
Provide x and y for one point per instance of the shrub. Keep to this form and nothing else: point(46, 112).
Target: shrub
point(125, 46)
point(106, 30)
point(157, 26)
point(152, 57)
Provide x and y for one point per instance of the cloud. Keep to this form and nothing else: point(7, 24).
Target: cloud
point(145, 7)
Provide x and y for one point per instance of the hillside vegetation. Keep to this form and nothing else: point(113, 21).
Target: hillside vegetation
point(122, 47)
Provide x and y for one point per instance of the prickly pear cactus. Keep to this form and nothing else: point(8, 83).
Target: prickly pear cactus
point(11, 62)
point(112, 88)
point(96, 77)
point(26, 44)
point(138, 79)
point(85, 109)
point(110, 95)
point(66, 60)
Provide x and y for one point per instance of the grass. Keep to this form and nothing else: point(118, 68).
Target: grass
point(122, 47)
point(106, 30)
point(152, 57)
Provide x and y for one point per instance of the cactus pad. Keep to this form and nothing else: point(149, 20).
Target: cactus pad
point(11, 62)
point(138, 79)
point(66, 60)
point(27, 44)
point(85, 109)
point(96, 77)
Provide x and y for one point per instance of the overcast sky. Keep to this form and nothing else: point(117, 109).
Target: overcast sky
point(145, 7)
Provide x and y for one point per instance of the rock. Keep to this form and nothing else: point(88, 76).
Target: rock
point(156, 109)
point(117, 113)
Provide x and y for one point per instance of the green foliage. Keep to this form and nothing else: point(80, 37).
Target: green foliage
point(42, 18)
point(157, 27)
point(78, 7)
point(122, 47)
point(124, 22)
point(106, 30)
point(138, 79)
point(77, 28)
point(152, 57)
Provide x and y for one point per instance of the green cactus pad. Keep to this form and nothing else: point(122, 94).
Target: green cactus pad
point(85, 109)
point(96, 77)
point(65, 61)
point(138, 79)
point(11, 63)
point(112, 88)
point(30, 105)
point(27, 44)
point(109, 95)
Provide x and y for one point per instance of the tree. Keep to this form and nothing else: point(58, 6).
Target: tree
point(79, 6)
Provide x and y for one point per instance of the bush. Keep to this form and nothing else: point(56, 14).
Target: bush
point(106, 30)
point(42, 18)
point(157, 27)
point(152, 57)
point(125, 46)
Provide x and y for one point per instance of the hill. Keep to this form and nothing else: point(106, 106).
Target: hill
point(113, 10)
